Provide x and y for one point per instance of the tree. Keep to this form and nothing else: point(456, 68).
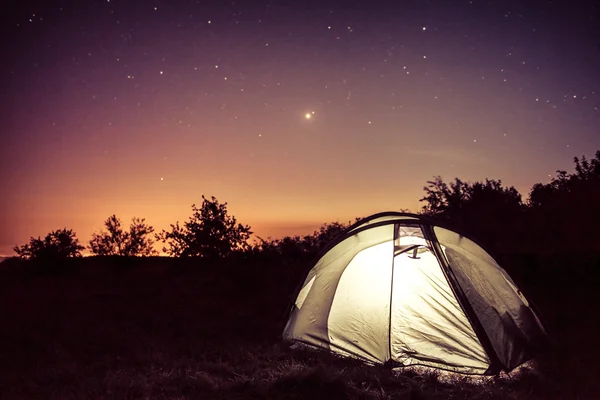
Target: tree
point(571, 203)
point(565, 187)
point(209, 233)
point(487, 209)
point(443, 200)
point(450, 201)
point(116, 241)
point(141, 243)
point(57, 245)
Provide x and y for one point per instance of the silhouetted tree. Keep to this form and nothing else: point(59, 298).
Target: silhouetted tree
point(566, 209)
point(585, 181)
point(450, 201)
point(444, 200)
point(57, 245)
point(110, 242)
point(116, 241)
point(140, 240)
point(487, 210)
point(209, 233)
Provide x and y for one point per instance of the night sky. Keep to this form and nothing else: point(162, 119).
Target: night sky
point(296, 113)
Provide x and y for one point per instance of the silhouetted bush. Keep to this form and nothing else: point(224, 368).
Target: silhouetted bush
point(301, 246)
point(57, 245)
point(115, 241)
point(209, 233)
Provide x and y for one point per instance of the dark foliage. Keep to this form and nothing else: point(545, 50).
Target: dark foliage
point(57, 245)
point(559, 215)
point(115, 241)
point(209, 233)
point(301, 246)
point(487, 210)
point(566, 211)
point(584, 182)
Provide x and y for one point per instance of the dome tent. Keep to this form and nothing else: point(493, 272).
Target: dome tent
point(401, 289)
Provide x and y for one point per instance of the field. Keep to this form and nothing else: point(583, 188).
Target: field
point(160, 329)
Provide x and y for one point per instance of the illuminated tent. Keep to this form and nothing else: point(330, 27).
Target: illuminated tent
point(399, 289)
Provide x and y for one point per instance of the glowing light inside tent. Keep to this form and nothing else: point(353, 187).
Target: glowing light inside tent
point(424, 312)
point(371, 294)
point(359, 317)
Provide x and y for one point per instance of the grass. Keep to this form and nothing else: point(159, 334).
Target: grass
point(154, 329)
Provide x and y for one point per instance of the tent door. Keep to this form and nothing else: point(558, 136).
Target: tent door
point(428, 326)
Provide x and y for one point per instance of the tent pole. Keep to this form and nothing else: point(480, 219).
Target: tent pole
point(392, 292)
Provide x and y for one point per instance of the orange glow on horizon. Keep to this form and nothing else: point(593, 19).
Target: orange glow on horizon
point(293, 124)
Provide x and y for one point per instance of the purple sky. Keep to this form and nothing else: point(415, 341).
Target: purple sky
point(139, 107)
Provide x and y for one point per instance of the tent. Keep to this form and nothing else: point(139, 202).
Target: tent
point(404, 290)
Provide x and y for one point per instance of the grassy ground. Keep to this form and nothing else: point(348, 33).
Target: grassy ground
point(109, 329)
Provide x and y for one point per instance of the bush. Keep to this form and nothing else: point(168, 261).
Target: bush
point(57, 245)
point(209, 233)
point(116, 242)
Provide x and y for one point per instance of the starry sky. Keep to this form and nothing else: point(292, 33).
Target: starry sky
point(295, 113)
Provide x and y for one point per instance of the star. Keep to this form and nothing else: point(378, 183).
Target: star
point(227, 85)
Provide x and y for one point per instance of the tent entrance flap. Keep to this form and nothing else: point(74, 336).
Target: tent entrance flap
point(428, 325)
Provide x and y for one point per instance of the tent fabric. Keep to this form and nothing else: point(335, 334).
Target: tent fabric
point(428, 325)
point(501, 307)
point(384, 292)
point(383, 217)
point(359, 318)
point(310, 319)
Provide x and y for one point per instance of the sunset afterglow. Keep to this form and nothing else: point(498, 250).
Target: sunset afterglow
point(293, 115)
